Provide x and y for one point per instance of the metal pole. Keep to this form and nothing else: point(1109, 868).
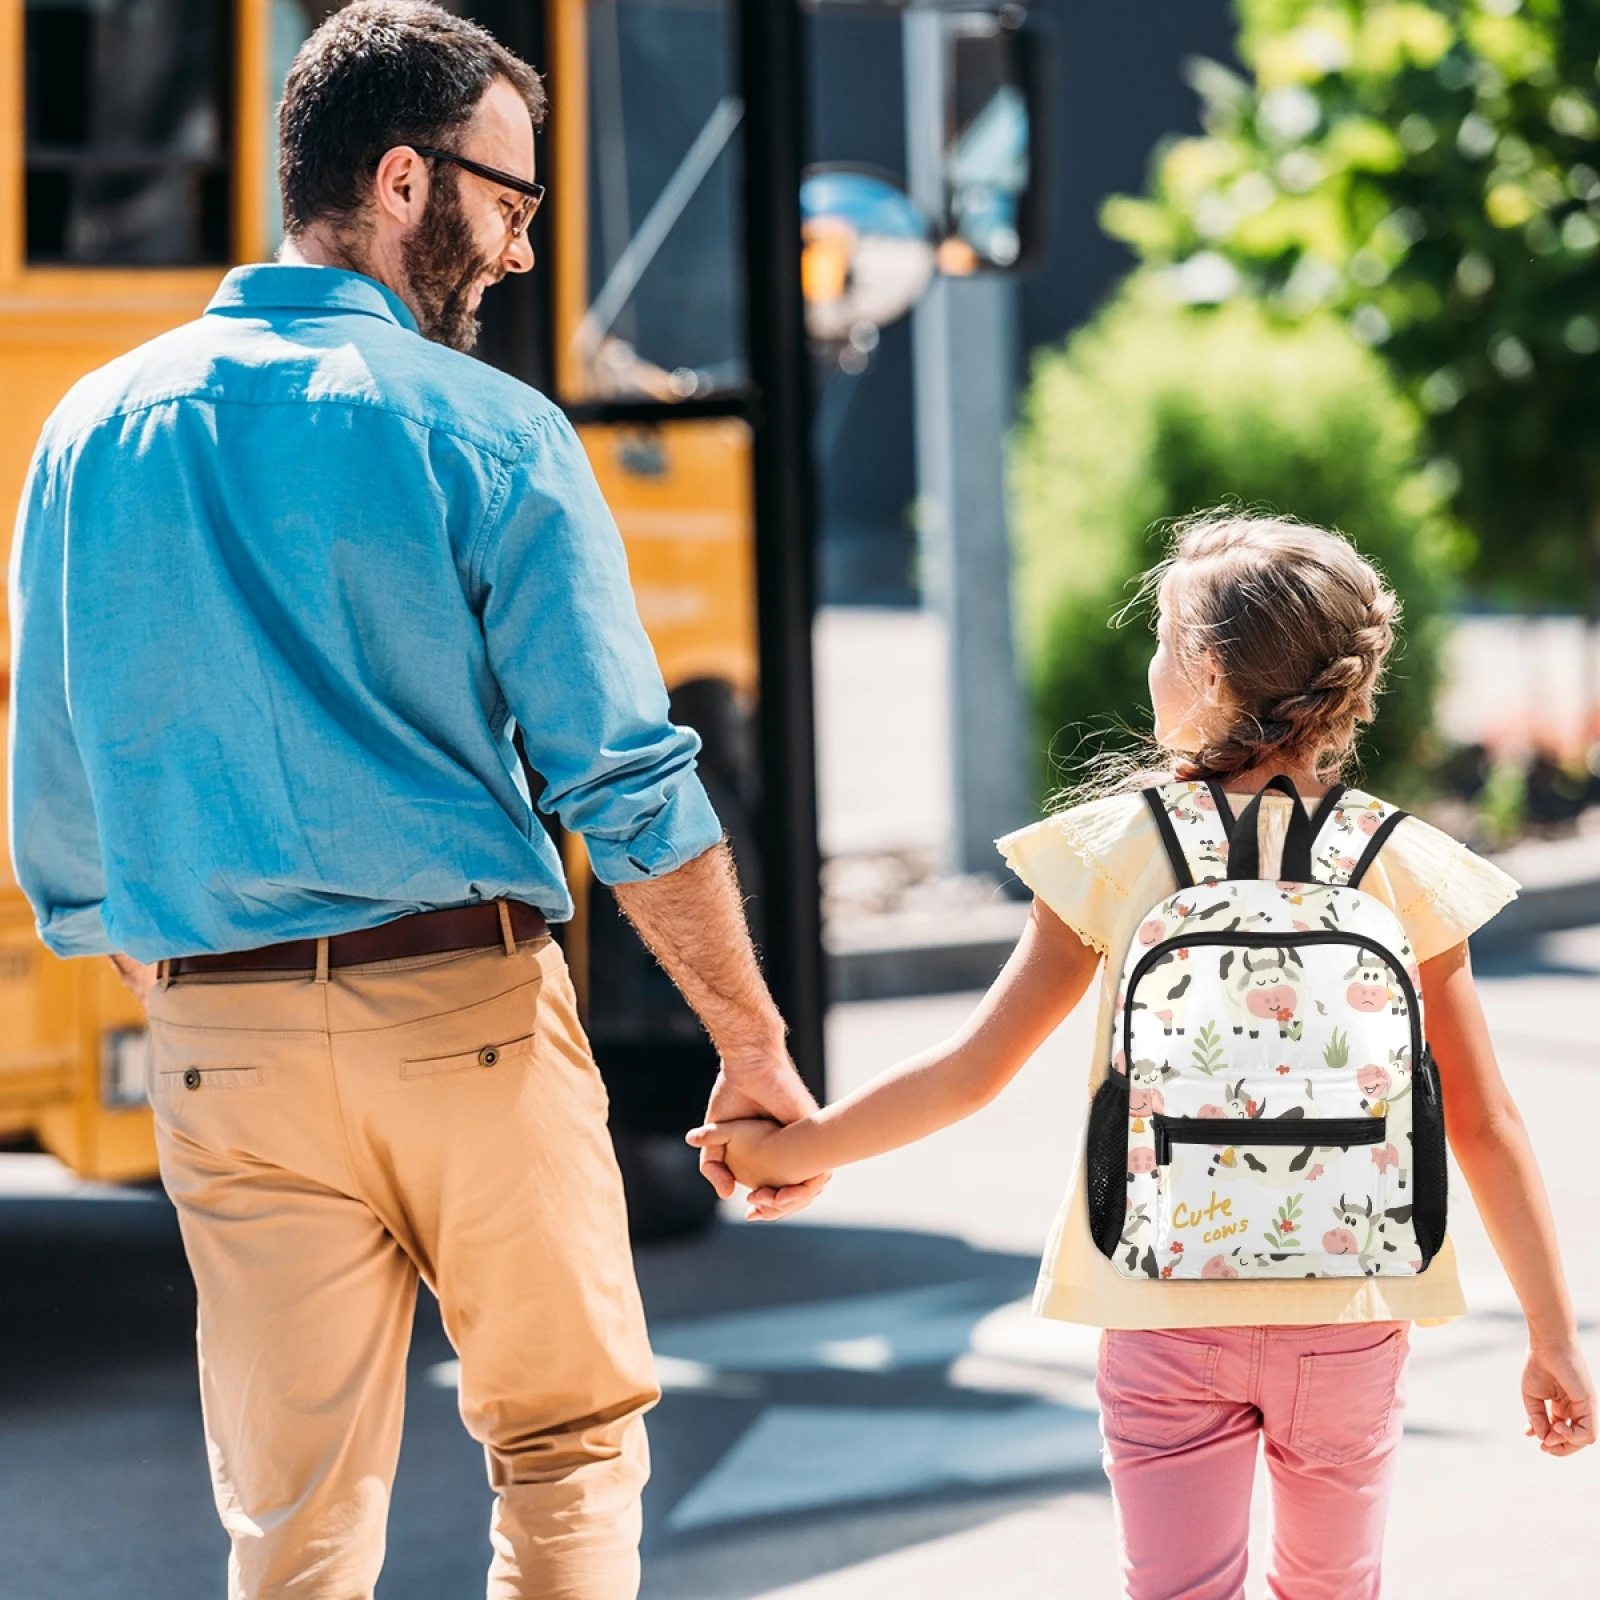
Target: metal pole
point(964, 339)
point(771, 60)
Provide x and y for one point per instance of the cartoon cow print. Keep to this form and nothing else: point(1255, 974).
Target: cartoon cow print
point(1238, 1107)
point(1264, 988)
point(1363, 1231)
point(1371, 988)
point(1374, 1082)
point(1144, 1087)
point(1165, 989)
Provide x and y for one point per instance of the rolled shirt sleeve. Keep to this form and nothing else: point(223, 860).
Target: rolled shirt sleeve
point(54, 841)
point(579, 675)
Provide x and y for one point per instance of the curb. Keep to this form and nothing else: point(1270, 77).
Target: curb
point(903, 972)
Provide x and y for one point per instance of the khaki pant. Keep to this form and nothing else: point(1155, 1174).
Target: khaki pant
point(329, 1142)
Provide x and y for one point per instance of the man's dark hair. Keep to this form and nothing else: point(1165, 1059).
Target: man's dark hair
point(378, 74)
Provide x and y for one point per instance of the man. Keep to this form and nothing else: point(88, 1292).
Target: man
point(286, 581)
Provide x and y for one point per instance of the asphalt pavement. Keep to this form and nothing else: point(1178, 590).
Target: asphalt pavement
point(857, 1402)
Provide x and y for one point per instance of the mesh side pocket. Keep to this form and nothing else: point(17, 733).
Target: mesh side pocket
point(1432, 1177)
point(1107, 1158)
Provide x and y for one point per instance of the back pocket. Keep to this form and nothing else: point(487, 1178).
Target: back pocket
point(1344, 1399)
point(491, 1056)
point(198, 1080)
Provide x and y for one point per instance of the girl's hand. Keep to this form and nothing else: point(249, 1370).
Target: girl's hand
point(1558, 1395)
point(752, 1149)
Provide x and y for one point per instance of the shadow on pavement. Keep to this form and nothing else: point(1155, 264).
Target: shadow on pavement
point(1574, 953)
point(823, 1404)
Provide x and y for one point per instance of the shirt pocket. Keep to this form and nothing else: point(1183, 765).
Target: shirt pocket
point(492, 1055)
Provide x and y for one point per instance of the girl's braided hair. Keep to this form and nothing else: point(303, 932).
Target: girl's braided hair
point(1299, 625)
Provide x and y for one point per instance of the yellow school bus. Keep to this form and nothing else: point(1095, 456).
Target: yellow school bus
point(136, 152)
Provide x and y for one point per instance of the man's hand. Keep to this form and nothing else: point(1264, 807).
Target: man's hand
point(693, 922)
point(139, 976)
point(768, 1087)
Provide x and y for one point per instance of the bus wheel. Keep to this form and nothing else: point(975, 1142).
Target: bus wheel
point(666, 1195)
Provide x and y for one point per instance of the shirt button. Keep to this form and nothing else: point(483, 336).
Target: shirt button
point(488, 1056)
point(191, 1077)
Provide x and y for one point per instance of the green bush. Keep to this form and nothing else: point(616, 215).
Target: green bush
point(1156, 410)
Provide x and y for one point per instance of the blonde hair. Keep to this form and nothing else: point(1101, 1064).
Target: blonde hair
point(1299, 626)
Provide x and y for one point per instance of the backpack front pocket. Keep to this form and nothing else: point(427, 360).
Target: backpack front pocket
point(1285, 1197)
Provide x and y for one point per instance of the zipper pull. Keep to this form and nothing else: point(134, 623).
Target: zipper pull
point(1425, 1072)
point(1163, 1141)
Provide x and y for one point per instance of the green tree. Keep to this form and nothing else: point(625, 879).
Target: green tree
point(1431, 173)
point(1156, 410)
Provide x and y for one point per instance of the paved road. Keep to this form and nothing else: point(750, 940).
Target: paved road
point(858, 1405)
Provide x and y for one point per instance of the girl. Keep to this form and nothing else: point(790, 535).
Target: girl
point(1272, 641)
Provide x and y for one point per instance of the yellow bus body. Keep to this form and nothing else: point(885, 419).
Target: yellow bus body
point(680, 492)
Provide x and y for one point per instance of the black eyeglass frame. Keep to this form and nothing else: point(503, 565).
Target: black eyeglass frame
point(533, 191)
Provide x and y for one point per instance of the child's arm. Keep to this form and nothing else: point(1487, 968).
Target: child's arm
point(1044, 979)
point(1490, 1142)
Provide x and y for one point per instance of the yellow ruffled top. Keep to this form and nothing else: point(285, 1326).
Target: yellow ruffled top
point(1100, 867)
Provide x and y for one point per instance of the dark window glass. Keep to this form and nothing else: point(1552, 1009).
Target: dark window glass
point(666, 311)
point(128, 132)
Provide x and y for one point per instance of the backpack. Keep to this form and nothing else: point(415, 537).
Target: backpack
point(1272, 1110)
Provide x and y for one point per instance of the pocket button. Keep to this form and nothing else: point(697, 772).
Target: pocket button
point(488, 1056)
point(191, 1078)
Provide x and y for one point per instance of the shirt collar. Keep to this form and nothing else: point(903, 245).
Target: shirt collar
point(269, 286)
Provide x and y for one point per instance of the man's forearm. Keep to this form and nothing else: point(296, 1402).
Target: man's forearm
point(693, 921)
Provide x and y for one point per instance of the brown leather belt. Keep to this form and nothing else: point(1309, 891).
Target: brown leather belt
point(424, 933)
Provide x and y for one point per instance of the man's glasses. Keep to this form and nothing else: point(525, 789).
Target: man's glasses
point(520, 215)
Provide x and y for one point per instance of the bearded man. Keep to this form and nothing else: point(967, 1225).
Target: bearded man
point(286, 582)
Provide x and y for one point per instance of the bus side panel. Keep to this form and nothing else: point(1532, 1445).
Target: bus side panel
point(681, 494)
point(56, 1016)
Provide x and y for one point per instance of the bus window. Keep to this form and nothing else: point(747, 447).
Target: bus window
point(128, 132)
point(661, 313)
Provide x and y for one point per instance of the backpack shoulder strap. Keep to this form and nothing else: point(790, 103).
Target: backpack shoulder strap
point(1193, 821)
point(1351, 833)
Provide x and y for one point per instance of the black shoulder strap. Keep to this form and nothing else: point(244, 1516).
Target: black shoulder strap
point(1324, 810)
point(1169, 838)
point(1244, 843)
point(1219, 798)
point(1379, 838)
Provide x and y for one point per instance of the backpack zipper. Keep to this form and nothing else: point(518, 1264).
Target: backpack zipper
point(1300, 1133)
point(1277, 941)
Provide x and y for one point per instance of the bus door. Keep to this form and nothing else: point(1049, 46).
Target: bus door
point(664, 314)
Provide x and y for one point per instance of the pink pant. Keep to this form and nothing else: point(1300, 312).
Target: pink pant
point(1181, 1410)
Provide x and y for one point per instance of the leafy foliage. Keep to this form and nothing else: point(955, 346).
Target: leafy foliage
point(1337, 1052)
point(1207, 1051)
point(1156, 410)
point(1430, 172)
point(1281, 1235)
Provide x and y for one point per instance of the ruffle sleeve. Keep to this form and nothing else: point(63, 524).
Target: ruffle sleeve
point(1082, 862)
point(1443, 892)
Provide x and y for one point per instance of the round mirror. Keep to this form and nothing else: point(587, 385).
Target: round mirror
point(867, 253)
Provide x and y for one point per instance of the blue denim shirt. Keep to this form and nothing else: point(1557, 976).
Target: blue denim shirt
point(285, 581)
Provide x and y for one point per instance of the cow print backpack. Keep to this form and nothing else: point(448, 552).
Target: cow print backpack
point(1271, 1110)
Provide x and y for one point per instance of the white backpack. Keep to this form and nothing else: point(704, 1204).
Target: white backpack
point(1271, 1110)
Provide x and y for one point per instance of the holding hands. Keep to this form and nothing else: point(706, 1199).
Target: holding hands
point(750, 1092)
point(761, 1154)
